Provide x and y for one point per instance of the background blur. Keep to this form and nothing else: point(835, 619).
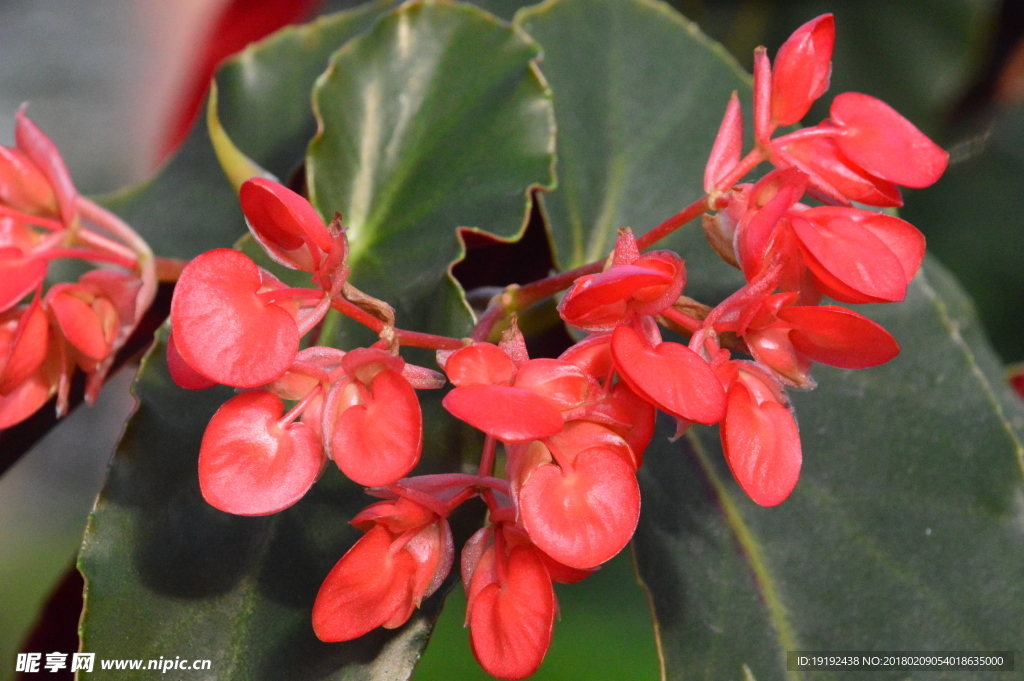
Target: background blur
point(106, 79)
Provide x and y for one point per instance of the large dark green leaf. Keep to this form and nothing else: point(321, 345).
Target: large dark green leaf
point(190, 207)
point(972, 220)
point(905, 531)
point(434, 120)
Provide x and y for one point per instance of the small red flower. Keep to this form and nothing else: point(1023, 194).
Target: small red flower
point(404, 556)
point(228, 326)
point(254, 462)
point(759, 435)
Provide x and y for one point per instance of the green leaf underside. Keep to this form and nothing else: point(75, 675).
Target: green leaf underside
point(436, 119)
point(190, 207)
point(906, 529)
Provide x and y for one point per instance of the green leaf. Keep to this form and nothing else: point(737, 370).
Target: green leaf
point(972, 220)
point(434, 120)
point(905, 530)
point(635, 127)
point(190, 206)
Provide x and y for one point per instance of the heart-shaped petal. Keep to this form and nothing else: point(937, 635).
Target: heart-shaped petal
point(510, 623)
point(378, 441)
point(251, 465)
point(223, 329)
point(364, 589)
point(762, 446)
point(509, 414)
point(669, 376)
point(585, 515)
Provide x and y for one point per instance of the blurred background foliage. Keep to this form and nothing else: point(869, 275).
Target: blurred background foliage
point(102, 76)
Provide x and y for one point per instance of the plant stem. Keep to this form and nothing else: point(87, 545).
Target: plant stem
point(412, 339)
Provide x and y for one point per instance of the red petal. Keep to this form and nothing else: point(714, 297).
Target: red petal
point(21, 275)
point(599, 302)
point(480, 364)
point(284, 223)
point(820, 158)
point(509, 414)
point(671, 376)
point(584, 516)
point(563, 383)
point(725, 153)
point(249, 465)
point(884, 143)
point(181, 373)
point(904, 240)
point(510, 623)
point(852, 264)
point(23, 187)
point(762, 447)
point(79, 323)
point(26, 398)
point(223, 330)
point(839, 337)
point(379, 442)
point(41, 150)
point(24, 341)
point(802, 68)
point(364, 589)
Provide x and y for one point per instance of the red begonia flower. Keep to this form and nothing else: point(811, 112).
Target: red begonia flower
point(858, 256)
point(224, 329)
point(372, 422)
point(670, 376)
point(760, 438)
point(634, 285)
point(833, 178)
point(24, 340)
point(511, 607)
point(839, 337)
point(577, 494)
point(485, 399)
point(404, 556)
point(252, 464)
point(884, 143)
point(285, 224)
point(88, 320)
point(22, 273)
point(802, 69)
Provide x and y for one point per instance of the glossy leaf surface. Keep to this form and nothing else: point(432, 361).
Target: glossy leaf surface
point(414, 143)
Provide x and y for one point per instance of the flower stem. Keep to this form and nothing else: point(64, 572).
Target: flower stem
point(413, 339)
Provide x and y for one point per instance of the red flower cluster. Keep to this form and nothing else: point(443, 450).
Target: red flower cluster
point(236, 324)
point(84, 324)
point(573, 429)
